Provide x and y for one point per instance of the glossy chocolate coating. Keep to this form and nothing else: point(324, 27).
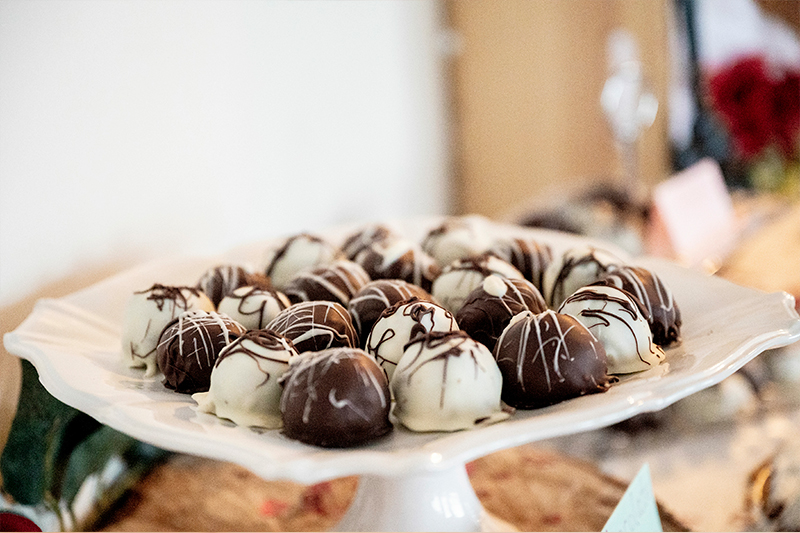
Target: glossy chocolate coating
point(375, 297)
point(189, 346)
point(317, 325)
point(664, 316)
point(548, 358)
point(219, 281)
point(334, 282)
point(489, 308)
point(530, 257)
point(399, 259)
point(335, 398)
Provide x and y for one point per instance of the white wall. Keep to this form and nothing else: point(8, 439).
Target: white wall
point(136, 128)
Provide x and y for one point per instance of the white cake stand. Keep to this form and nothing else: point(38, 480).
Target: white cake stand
point(409, 481)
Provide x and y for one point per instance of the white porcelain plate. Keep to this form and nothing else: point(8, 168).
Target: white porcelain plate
point(74, 343)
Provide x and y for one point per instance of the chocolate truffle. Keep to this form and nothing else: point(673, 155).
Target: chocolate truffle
point(147, 313)
point(253, 307)
point(366, 237)
point(615, 318)
point(375, 297)
point(528, 256)
point(399, 258)
point(314, 326)
point(244, 381)
point(336, 282)
point(772, 501)
point(461, 277)
point(189, 347)
point(575, 268)
point(488, 309)
point(457, 238)
point(402, 322)
point(335, 398)
point(219, 281)
point(446, 382)
point(294, 254)
point(657, 299)
point(548, 358)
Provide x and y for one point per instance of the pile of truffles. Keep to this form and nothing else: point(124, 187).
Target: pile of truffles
point(337, 344)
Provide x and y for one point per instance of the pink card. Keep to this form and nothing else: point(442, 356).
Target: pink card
point(693, 217)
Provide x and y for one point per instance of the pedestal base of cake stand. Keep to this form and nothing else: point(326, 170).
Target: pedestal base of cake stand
point(420, 501)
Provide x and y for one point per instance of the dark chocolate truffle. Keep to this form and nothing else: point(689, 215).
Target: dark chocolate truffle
point(489, 308)
point(335, 398)
point(219, 281)
point(664, 315)
point(314, 326)
point(189, 347)
point(399, 259)
point(375, 297)
point(366, 237)
point(530, 257)
point(548, 358)
point(335, 282)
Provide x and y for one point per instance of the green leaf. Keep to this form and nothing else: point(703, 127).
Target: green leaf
point(28, 463)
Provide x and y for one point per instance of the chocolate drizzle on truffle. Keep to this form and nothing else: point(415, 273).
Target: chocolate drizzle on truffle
point(461, 277)
point(489, 308)
point(314, 326)
point(576, 268)
point(336, 282)
point(296, 253)
point(366, 237)
point(398, 258)
point(219, 281)
point(335, 398)
point(663, 314)
point(161, 294)
point(257, 344)
point(619, 322)
point(400, 324)
point(375, 297)
point(189, 347)
point(446, 381)
point(531, 258)
point(548, 358)
point(253, 307)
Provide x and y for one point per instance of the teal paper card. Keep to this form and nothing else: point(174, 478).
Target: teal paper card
point(637, 510)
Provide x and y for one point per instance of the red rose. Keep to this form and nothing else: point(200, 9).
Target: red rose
point(786, 113)
point(741, 94)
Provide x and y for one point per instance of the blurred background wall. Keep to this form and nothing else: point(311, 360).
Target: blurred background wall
point(130, 129)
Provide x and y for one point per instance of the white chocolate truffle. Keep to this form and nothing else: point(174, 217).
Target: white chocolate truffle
point(399, 324)
point(577, 267)
point(461, 277)
point(447, 382)
point(147, 313)
point(457, 238)
point(245, 386)
point(617, 321)
point(295, 254)
point(253, 307)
